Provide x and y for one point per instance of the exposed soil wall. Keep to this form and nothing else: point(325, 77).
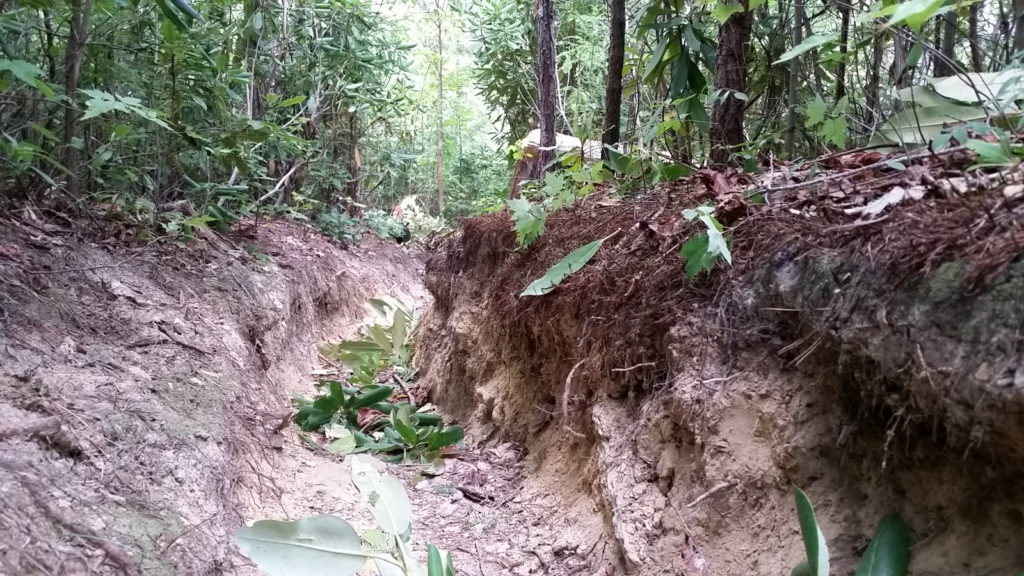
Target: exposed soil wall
point(142, 389)
point(688, 410)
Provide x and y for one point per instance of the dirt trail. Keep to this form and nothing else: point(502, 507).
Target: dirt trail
point(142, 392)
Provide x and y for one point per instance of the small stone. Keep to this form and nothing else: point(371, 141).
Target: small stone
point(423, 485)
point(483, 467)
point(984, 372)
point(1013, 190)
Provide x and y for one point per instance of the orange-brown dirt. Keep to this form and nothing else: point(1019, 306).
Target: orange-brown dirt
point(828, 358)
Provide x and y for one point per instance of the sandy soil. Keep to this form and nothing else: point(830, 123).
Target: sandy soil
point(142, 392)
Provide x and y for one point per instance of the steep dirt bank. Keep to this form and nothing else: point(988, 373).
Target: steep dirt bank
point(143, 390)
point(875, 366)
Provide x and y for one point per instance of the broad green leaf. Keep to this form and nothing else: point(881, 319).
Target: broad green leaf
point(814, 114)
point(808, 44)
point(344, 443)
point(990, 154)
point(399, 329)
point(388, 501)
point(450, 437)
point(801, 569)
point(659, 53)
point(970, 88)
point(25, 71)
point(889, 551)
point(717, 244)
point(914, 13)
point(400, 419)
point(834, 130)
point(814, 540)
point(529, 220)
point(695, 252)
point(315, 546)
point(920, 125)
point(563, 269)
point(434, 565)
point(722, 10)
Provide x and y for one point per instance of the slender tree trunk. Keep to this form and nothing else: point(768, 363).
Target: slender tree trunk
point(899, 74)
point(81, 11)
point(1018, 25)
point(353, 185)
point(440, 114)
point(613, 80)
point(730, 77)
point(972, 37)
point(944, 62)
point(51, 62)
point(547, 98)
point(844, 41)
point(794, 79)
point(871, 91)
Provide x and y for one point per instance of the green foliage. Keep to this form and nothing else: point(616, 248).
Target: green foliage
point(888, 554)
point(330, 546)
point(359, 415)
point(814, 541)
point(564, 268)
point(385, 226)
point(831, 123)
point(705, 249)
point(340, 225)
point(529, 219)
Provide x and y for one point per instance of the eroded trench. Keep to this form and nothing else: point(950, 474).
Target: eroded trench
point(595, 446)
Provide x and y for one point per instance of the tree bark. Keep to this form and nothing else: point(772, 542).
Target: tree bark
point(547, 97)
point(794, 79)
point(944, 62)
point(730, 77)
point(872, 101)
point(1018, 25)
point(972, 37)
point(613, 80)
point(81, 12)
point(440, 114)
point(844, 41)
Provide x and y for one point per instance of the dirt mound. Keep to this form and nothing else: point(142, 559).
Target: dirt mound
point(142, 388)
point(873, 361)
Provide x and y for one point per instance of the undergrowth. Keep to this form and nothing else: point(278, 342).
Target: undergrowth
point(366, 414)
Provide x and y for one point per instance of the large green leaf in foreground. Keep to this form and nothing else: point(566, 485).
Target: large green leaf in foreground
point(316, 546)
point(889, 551)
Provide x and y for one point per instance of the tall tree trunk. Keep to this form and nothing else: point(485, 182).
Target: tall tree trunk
point(730, 77)
point(440, 114)
point(944, 62)
point(547, 97)
point(81, 12)
point(1018, 25)
point(844, 41)
point(613, 80)
point(794, 79)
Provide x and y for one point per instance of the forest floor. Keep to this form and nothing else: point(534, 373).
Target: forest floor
point(144, 396)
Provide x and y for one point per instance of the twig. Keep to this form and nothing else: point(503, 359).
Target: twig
point(402, 386)
point(868, 168)
point(714, 490)
point(565, 400)
point(634, 367)
point(178, 340)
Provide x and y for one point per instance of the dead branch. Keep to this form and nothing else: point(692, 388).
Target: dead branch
point(565, 401)
point(47, 425)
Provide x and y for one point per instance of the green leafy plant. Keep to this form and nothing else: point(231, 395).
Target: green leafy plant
point(565, 267)
point(359, 415)
point(888, 554)
point(831, 122)
point(330, 546)
point(704, 250)
point(529, 219)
